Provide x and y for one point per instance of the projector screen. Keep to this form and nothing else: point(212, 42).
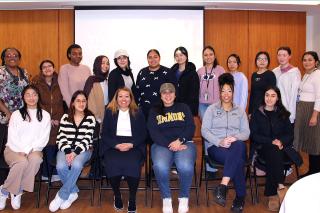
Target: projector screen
point(102, 32)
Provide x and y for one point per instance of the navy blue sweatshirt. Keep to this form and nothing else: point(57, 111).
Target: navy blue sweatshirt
point(177, 122)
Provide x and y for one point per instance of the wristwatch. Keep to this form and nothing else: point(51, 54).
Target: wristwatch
point(182, 140)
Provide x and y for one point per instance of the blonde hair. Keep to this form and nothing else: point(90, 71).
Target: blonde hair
point(114, 107)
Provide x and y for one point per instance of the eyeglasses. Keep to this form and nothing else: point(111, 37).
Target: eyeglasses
point(122, 57)
point(262, 59)
point(12, 56)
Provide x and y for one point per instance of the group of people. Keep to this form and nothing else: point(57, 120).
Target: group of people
point(60, 114)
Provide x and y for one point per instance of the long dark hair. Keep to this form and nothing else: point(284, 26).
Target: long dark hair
point(215, 62)
point(24, 109)
point(184, 51)
point(283, 112)
point(72, 110)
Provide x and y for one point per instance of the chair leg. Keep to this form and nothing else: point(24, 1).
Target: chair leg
point(100, 191)
point(92, 191)
point(255, 182)
point(151, 189)
point(207, 191)
point(251, 187)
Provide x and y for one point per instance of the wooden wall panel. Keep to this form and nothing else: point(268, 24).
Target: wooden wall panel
point(227, 32)
point(270, 30)
point(66, 33)
point(248, 32)
point(37, 34)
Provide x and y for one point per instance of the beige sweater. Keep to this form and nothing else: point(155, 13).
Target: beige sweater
point(72, 78)
point(96, 102)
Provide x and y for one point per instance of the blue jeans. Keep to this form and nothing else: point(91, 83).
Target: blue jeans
point(233, 159)
point(184, 160)
point(202, 109)
point(70, 176)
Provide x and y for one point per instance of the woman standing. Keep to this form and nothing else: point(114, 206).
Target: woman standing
point(272, 137)
point(208, 75)
point(149, 80)
point(28, 134)
point(225, 128)
point(307, 126)
point(123, 145)
point(260, 80)
point(187, 80)
point(122, 75)
point(240, 97)
point(52, 102)
point(12, 81)
point(171, 128)
point(73, 76)
point(96, 87)
point(288, 80)
point(74, 143)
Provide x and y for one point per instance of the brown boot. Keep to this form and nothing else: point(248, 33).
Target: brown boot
point(281, 193)
point(273, 203)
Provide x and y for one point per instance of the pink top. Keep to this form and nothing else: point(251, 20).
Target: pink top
point(72, 78)
point(209, 85)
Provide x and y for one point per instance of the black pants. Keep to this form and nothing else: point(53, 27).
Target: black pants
point(3, 141)
point(274, 158)
point(314, 164)
point(133, 184)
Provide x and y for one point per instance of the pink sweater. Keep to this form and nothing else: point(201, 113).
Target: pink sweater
point(211, 86)
point(72, 78)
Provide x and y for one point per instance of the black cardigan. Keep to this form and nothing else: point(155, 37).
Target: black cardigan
point(188, 87)
point(115, 81)
point(109, 130)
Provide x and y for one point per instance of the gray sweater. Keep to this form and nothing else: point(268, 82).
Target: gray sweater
point(218, 124)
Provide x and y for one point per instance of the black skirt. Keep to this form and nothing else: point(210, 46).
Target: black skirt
point(129, 163)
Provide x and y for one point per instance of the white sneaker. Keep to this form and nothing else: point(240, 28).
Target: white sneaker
point(55, 178)
point(55, 203)
point(16, 200)
point(183, 205)
point(167, 205)
point(67, 203)
point(3, 200)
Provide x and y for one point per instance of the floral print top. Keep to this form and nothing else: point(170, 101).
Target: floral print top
point(11, 87)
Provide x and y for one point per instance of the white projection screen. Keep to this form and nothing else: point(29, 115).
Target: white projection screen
point(103, 31)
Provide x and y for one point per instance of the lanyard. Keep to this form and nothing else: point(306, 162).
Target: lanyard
point(208, 77)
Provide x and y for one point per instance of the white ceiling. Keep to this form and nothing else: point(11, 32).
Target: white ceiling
point(208, 4)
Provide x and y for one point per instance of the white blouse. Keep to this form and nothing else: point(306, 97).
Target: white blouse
point(309, 89)
point(124, 124)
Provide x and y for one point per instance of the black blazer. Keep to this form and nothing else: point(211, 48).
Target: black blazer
point(109, 130)
point(188, 87)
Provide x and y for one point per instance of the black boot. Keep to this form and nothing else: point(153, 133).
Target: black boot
point(237, 205)
point(118, 204)
point(132, 206)
point(220, 194)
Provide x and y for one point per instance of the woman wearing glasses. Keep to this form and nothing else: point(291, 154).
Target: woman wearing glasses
point(208, 75)
point(12, 81)
point(260, 80)
point(122, 75)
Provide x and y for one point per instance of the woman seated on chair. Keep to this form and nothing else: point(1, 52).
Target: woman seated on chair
point(171, 128)
point(225, 128)
point(74, 141)
point(272, 137)
point(123, 145)
point(28, 134)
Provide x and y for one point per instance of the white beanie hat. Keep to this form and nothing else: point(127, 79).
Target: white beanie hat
point(121, 52)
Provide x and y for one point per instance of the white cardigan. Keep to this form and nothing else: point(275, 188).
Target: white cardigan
point(310, 89)
point(24, 136)
point(288, 83)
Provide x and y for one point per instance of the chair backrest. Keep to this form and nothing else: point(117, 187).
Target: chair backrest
point(3, 137)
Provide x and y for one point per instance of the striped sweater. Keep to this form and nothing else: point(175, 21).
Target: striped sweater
point(75, 138)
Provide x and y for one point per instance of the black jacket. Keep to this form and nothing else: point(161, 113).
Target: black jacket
point(188, 87)
point(263, 130)
point(115, 81)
